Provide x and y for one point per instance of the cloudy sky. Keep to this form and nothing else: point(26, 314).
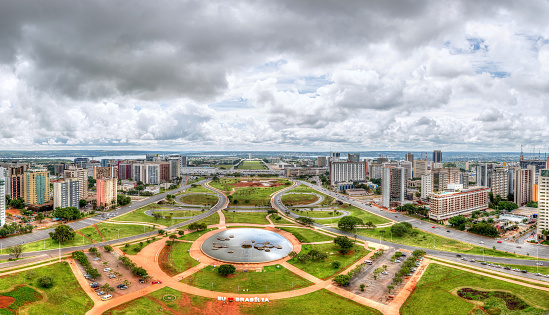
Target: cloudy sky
point(274, 75)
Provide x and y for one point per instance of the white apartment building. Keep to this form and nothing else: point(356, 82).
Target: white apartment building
point(348, 172)
point(426, 186)
point(2, 197)
point(81, 175)
point(420, 168)
point(66, 193)
point(543, 203)
point(444, 205)
point(393, 185)
point(147, 173)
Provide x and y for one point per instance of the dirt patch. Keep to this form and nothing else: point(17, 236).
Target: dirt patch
point(512, 302)
point(6, 301)
point(95, 227)
point(258, 183)
point(164, 261)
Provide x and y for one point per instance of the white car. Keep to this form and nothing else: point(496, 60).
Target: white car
point(107, 269)
point(539, 263)
point(481, 242)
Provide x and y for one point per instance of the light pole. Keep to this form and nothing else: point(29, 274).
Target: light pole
point(118, 233)
point(537, 258)
point(59, 251)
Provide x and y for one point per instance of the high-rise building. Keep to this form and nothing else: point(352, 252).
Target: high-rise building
point(164, 171)
point(66, 193)
point(437, 156)
point(36, 186)
point(184, 161)
point(58, 169)
point(81, 162)
point(124, 171)
point(407, 165)
point(335, 157)
point(150, 157)
point(409, 157)
point(421, 168)
point(523, 184)
point(462, 165)
point(484, 174)
point(82, 175)
point(102, 172)
point(2, 197)
point(543, 203)
point(16, 186)
point(426, 186)
point(500, 182)
point(393, 185)
point(175, 167)
point(441, 177)
point(321, 161)
point(104, 162)
point(465, 180)
point(348, 172)
point(443, 206)
point(106, 192)
point(353, 157)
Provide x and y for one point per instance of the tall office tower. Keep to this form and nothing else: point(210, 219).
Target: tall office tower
point(511, 179)
point(407, 165)
point(524, 182)
point(426, 186)
point(36, 189)
point(409, 157)
point(102, 172)
point(321, 161)
point(421, 168)
point(465, 180)
point(104, 162)
point(348, 172)
point(106, 192)
point(393, 185)
point(16, 186)
point(353, 157)
point(184, 161)
point(82, 175)
point(543, 203)
point(175, 167)
point(484, 174)
point(441, 177)
point(66, 193)
point(335, 157)
point(81, 162)
point(2, 196)
point(124, 171)
point(437, 156)
point(164, 171)
point(500, 182)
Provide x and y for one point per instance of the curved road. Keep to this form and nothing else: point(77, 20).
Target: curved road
point(22, 239)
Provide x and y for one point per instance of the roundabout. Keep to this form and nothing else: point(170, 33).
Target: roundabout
point(246, 245)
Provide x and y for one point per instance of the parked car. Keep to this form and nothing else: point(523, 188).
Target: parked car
point(96, 259)
point(384, 273)
point(499, 241)
point(87, 276)
point(141, 281)
point(94, 285)
point(107, 269)
point(106, 297)
point(100, 293)
point(507, 268)
point(112, 276)
point(156, 282)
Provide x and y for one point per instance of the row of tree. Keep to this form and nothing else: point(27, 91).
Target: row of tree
point(137, 271)
point(15, 228)
point(83, 259)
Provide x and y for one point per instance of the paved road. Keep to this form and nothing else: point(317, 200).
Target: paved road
point(277, 202)
point(40, 235)
point(440, 230)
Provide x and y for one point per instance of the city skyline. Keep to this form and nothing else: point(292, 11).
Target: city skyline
point(351, 76)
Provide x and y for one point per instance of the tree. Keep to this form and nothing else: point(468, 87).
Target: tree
point(40, 217)
point(15, 251)
point(457, 220)
point(45, 282)
point(305, 220)
point(226, 269)
point(377, 271)
point(18, 203)
point(82, 203)
point(349, 222)
point(510, 196)
point(108, 248)
point(173, 237)
point(390, 287)
point(156, 215)
point(342, 279)
point(399, 229)
point(123, 200)
point(62, 233)
point(344, 244)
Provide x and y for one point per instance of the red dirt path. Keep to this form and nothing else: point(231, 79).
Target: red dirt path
point(257, 184)
point(6, 301)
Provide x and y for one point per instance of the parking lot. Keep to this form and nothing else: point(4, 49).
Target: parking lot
point(376, 289)
point(117, 275)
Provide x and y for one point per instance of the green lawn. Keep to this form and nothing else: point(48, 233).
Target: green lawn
point(200, 199)
point(139, 215)
point(298, 199)
point(179, 259)
point(196, 188)
point(224, 183)
point(271, 279)
point(308, 236)
point(58, 300)
point(185, 213)
point(111, 231)
point(318, 302)
point(323, 269)
point(212, 219)
point(193, 236)
point(51, 244)
point(251, 165)
point(426, 240)
point(248, 195)
point(246, 217)
point(133, 249)
point(306, 189)
point(150, 304)
point(439, 282)
point(359, 213)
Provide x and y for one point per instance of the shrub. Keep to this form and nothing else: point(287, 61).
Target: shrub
point(45, 282)
point(226, 269)
point(336, 264)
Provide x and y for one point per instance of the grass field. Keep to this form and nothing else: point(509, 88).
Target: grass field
point(318, 302)
point(271, 279)
point(193, 236)
point(251, 165)
point(51, 244)
point(324, 269)
point(57, 301)
point(308, 236)
point(212, 219)
point(139, 215)
point(305, 189)
point(185, 213)
point(246, 217)
point(426, 240)
point(179, 259)
point(197, 188)
point(298, 199)
point(200, 199)
point(439, 284)
point(361, 214)
point(150, 304)
point(248, 196)
point(114, 231)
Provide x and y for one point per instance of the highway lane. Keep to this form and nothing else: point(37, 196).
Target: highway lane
point(44, 234)
point(507, 246)
point(276, 202)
